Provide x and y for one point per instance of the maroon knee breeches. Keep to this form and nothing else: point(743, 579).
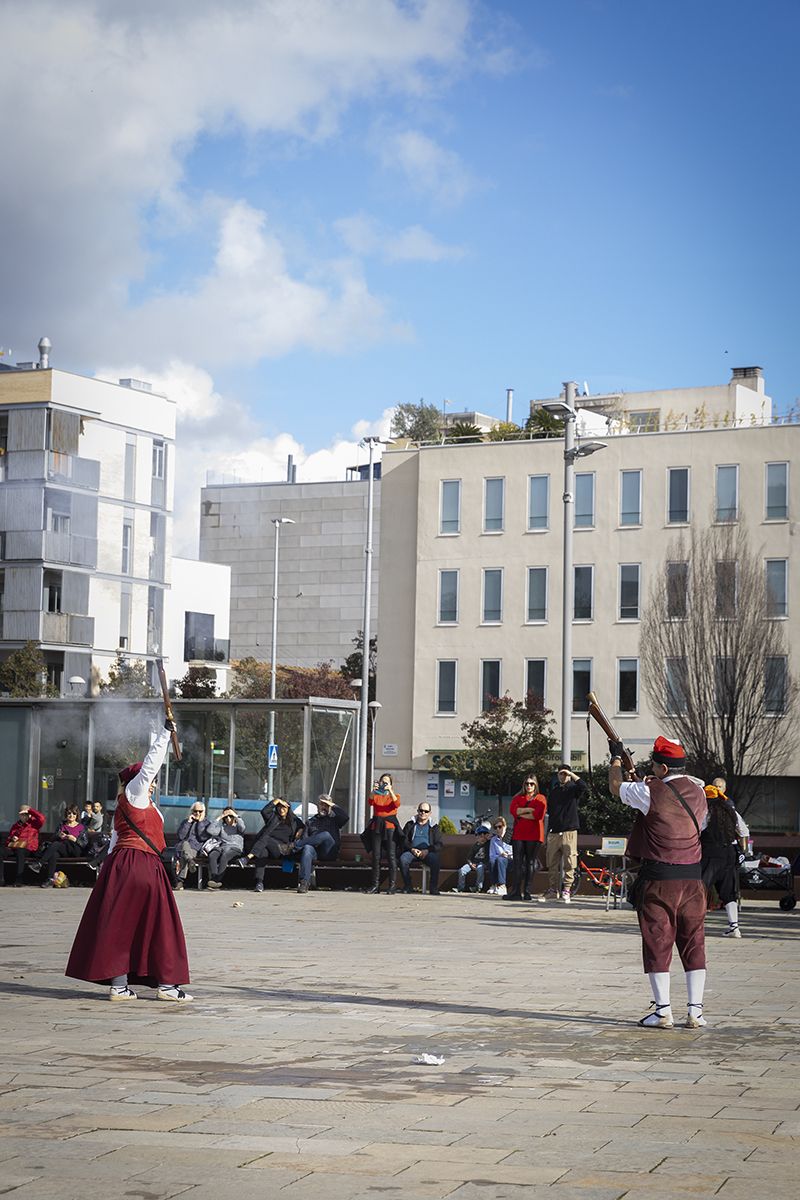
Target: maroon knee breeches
point(673, 914)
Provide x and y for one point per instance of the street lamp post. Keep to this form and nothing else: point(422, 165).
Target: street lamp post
point(277, 522)
point(566, 408)
point(361, 774)
point(374, 708)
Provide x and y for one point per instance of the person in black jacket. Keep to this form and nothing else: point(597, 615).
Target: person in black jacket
point(320, 839)
point(421, 842)
point(276, 839)
point(562, 833)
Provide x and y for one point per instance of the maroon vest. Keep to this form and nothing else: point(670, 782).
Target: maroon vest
point(667, 833)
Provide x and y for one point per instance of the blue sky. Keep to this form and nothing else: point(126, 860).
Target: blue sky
point(296, 214)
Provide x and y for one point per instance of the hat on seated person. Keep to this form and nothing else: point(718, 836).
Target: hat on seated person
point(671, 754)
point(129, 773)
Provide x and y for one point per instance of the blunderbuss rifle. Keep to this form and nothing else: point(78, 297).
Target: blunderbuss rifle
point(162, 675)
point(608, 729)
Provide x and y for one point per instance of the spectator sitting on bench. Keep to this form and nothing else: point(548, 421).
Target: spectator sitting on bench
point(423, 844)
point(97, 840)
point(478, 861)
point(320, 839)
point(227, 835)
point(276, 839)
point(499, 853)
point(192, 833)
point(22, 840)
point(70, 842)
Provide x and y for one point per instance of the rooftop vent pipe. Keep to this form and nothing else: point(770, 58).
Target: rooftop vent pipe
point(44, 353)
point(509, 403)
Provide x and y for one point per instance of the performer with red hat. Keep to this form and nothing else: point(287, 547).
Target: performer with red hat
point(131, 929)
point(671, 901)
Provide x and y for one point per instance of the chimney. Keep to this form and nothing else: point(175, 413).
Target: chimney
point(750, 377)
point(509, 403)
point(44, 353)
point(289, 468)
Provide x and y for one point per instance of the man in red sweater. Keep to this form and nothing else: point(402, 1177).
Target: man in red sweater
point(23, 839)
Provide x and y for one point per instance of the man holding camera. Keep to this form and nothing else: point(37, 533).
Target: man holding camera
point(228, 836)
point(562, 833)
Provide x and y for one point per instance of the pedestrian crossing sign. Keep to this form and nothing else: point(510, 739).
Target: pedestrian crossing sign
point(272, 756)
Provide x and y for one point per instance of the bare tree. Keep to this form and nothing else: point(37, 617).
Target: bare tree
point(715, 662)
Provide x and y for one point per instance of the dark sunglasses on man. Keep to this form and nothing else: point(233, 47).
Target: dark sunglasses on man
point(423, 811)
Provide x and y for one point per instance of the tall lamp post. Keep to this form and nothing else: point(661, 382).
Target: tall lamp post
point(277, 522)
point(374, 708)
point(361, 774)
point(566, 408)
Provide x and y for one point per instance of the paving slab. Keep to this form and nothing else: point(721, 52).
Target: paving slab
point(293, 1074)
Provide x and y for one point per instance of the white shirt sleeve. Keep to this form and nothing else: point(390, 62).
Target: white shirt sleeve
point(741, 829)
point(635, 795)
point(138, 790)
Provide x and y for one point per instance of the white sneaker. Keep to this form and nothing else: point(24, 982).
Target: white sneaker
point(659, 1018)
point(492, 891)
point(732, 931)
point(121, 994)
point(501, 890)
point(694, 1017)
point(548, 895)
point(566, 897)
point(175, 995)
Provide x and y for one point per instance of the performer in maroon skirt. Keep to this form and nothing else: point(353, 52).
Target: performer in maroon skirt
point(131, 929)
point(671, 813)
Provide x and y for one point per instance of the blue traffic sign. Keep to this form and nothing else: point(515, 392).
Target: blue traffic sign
point(272, 756)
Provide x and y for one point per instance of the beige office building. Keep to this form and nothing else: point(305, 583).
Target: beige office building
point(471, 567)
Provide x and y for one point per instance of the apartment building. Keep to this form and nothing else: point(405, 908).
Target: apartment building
point(86, 495)
point(471, 565)
point(321, 566)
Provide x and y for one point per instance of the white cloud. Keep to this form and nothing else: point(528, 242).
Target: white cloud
point(364, 236)
point(428, 168)
point(101, 102)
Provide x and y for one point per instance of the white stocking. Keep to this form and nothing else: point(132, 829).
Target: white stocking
point(732, 910)
point(659, 982)
point(695, 986)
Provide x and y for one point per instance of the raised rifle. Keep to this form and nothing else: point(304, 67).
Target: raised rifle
point(608, 729)
point(162, 675)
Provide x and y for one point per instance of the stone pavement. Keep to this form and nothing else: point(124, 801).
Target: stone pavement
point(292, 1074)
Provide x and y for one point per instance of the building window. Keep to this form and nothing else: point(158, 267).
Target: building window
point(727, 494)
point(535, 669)
point(538, 502)
point(198, 637)
point(775, 675)
point(446, 671)
point(537, 594)
point(583, 593)
point(629, 591)
point(127, 546)
point(493, 505)
point(125, 598)
point(777, 489)
point(584, 500)
point(646, 420)
point(450, 506)
point(492, 596)
point(129, 475)
point(724, 686)
point(675, 682)
point(677, 590)
point(58, 506)
point(725, 590)
point(678, 495)
point(777, 590)
point(627, 685)
point(54, 673)
point(581, 684)
point(448, 597)
point(2, 588)
point(51, 600)
point(159, 459)
point(630, 491)
point(490, 682)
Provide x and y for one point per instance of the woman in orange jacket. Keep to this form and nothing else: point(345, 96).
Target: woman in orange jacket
point(383, 830)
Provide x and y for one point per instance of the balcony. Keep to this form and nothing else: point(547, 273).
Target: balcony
point(202, 651)
point(70, 548)
point(67, 629)
point(69, 468)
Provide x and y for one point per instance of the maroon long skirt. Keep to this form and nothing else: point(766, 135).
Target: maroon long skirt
point(131, 925)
